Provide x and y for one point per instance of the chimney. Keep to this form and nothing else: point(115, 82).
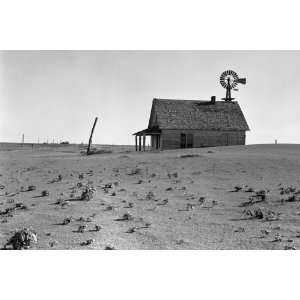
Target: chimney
point(213, 99)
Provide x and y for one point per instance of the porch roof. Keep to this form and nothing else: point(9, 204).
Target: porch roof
point(148, 131)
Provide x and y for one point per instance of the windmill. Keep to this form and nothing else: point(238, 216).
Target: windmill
point(229, 80)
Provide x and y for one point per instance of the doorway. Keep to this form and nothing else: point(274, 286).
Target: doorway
point(186, 140)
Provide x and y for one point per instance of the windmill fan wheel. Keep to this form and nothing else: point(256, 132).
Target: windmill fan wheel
point(229, 79)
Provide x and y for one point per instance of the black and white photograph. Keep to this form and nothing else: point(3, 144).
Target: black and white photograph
point(166, 132)
point(150, 150)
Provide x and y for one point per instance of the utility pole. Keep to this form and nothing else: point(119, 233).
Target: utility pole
point(23, 138)
point(90, 140)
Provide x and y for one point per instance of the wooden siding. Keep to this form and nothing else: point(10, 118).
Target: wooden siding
point(202, 138)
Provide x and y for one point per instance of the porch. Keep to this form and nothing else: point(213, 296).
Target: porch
point(141, 139)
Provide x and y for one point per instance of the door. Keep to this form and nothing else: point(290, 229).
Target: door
point(183, 140)
point(186, 140)
point(189, 140)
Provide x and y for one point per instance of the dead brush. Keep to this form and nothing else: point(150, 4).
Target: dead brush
point(81, 228)
point(67, 221)
point(287, 190)
point(44, 193)
point(57, 179)
point(237, 188)
point(272, 216)
point(87, 242)
point(31, 188)
point(22, 239)
point(87, 193)
point(255, 214)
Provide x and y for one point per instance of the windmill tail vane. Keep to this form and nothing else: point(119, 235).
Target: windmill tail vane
point(229, 80)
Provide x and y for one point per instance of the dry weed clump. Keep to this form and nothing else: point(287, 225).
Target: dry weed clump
point(22, 239)
point(44, 193)
point(87, 193)
point(258, 214)
point(87, 242)
point(31, 188)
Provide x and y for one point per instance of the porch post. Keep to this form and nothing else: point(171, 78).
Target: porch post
point(136, 143)
point(144, 141)
point(140, 143)
point(160, 142)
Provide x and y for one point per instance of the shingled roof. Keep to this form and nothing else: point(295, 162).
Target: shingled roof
point(202, 115)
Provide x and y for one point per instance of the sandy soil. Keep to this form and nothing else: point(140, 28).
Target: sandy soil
point(183, 199)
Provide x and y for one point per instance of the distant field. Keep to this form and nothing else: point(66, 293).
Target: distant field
point(62, 147)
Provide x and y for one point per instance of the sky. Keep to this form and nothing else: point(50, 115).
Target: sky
point(56, 95)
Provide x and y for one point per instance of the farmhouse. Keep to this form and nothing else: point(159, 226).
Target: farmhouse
point(177, 124)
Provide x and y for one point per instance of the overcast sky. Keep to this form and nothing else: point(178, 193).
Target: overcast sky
point(57, 94)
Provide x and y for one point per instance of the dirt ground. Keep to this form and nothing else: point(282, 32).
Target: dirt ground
point(208, 198)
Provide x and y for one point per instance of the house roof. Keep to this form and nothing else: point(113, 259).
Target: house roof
point(202, 115)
